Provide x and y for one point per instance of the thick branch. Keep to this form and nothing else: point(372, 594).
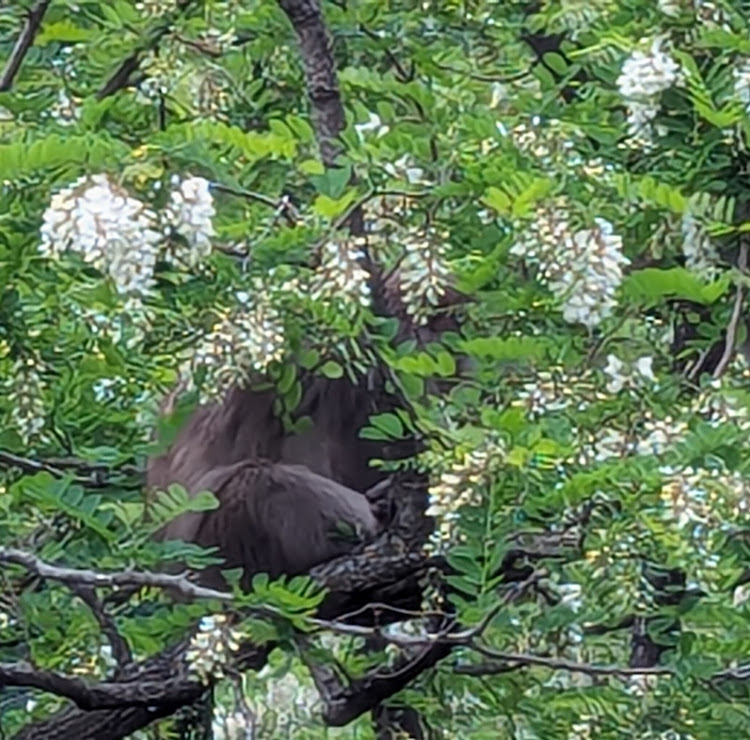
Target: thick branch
point(320, 72)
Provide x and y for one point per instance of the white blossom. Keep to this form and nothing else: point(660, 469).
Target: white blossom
point(373, 124)
point(423, 275)
point(230, 726)
point(660, 435)
point(741, 74)
point(24, 390)
point(108, 227)
point(645, 76)
point(65, 110)
point(340, 275)
point(404, 169)
point(700, 254)
point(672, 8)
point(459, 485)
point(211, 647)
point(622, 375)
point(741, 595)
point(155, 8)
point(583, 269)
point(244, 340)
point(190, 212)
point(570, 595)
point(162, 74)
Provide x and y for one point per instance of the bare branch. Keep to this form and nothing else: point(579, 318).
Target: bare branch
point(511, 661)
point(23, 44)
point(739, 299)
point(93, 579)
point(90, 475)
point(282, 205)
point(120, 648)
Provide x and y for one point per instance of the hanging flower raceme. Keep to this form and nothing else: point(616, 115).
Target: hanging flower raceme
point(120, 235)
point(423, 275)
point(212, 647)
point(741, 74)
point(24, 390)
point(583, 268)
point(190, 213)
point(245, 339)
point(700, 254)
point(340, 275)
point(644, 77)
point(110, 229)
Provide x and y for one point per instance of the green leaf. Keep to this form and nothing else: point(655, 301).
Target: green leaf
point(651, 284)
point(332, 370)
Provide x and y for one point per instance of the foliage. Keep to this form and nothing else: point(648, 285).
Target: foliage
point(471, 146)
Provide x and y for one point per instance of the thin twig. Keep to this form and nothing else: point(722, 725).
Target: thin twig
point(734, 321)
point(283, 205)
point(23, 44)
point(120, 648)
point(508, 661)
point(89, 475)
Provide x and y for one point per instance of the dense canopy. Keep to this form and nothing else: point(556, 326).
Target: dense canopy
point(193, 191)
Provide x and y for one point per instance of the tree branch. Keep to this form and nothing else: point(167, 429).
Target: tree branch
point(739, 298)
point(120, 648)
point(90, 475)
point(23, 44)
point(76, 577)
point(328, 115)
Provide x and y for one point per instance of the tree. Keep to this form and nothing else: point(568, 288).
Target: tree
point(192, 190)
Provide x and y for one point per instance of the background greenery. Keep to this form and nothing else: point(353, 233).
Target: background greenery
point(485, 142)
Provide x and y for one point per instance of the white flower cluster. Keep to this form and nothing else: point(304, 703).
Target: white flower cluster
point(242, 341)
point(660, 435)
point(155, 8)
point(423, 275)
point(583, 269)
point(386, 213)
point(707, 12)
point(553, 390)
point(644, 77)
point(404, 169)
point(672, 8)
point(110, 229)
point(282, 698)
point(700, 254)
point(624, 376)
point(340, 275)
point(163, 73)
point(190, 213)
point(374, 125)
point(741, 74)
point(211, 647)
point(65, 110)
point(705, 501)
point(655, 437)
point(458, 486)
point(25, 389)
point(121, 236)
point(717, 406)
